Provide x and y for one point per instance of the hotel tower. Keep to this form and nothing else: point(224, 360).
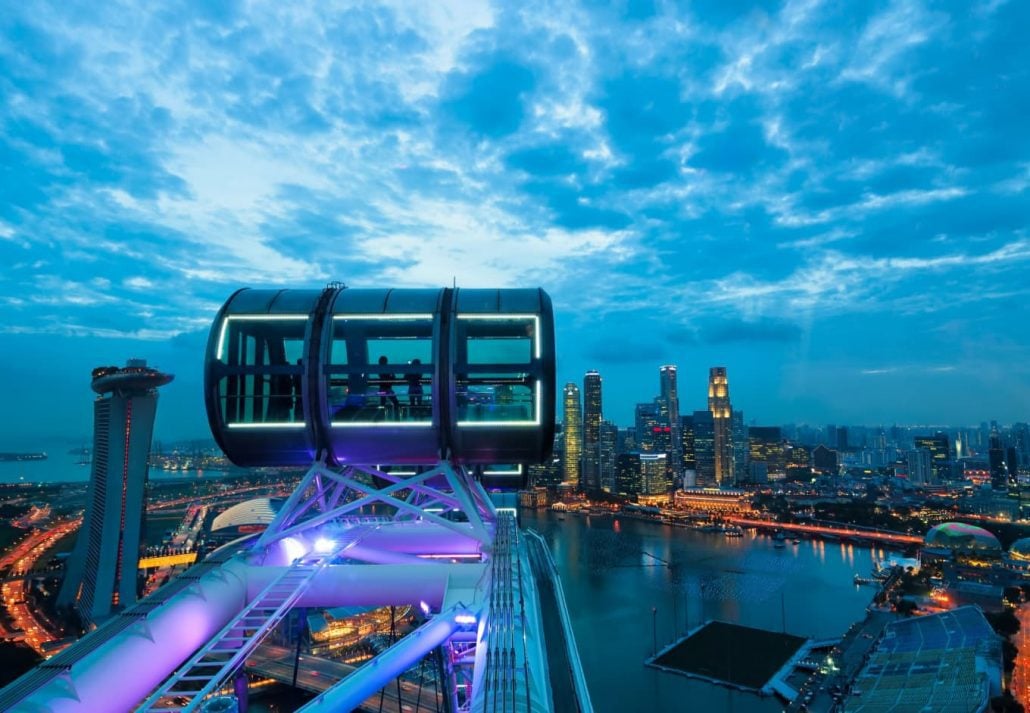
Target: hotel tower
point(101, 576)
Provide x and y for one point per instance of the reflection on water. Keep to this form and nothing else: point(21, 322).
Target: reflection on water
point(615, 571)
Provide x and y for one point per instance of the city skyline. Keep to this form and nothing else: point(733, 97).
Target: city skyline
point(830, 200)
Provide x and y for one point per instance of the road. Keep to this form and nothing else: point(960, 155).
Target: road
point(842, 531)
point(1021, 673)
point(317, 674)
point(36, 629)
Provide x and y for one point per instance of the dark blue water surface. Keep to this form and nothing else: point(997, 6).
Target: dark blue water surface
point(616, 570)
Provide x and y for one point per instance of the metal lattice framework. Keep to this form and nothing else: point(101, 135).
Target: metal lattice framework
point(325, 495)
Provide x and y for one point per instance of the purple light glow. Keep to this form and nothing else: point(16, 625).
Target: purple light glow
point(424, 607)
point(465, 619)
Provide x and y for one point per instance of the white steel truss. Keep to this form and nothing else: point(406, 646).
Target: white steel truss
point(325, 495)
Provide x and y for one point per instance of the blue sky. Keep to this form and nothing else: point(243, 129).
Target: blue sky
point(830, 199)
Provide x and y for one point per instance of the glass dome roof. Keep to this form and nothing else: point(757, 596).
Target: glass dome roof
point(960, 536)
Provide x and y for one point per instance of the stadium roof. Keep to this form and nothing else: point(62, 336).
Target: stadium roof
point(960, 536)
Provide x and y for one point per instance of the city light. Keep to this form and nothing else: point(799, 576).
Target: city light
point(324, 545)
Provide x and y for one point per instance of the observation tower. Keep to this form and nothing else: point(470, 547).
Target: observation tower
point(407, 408)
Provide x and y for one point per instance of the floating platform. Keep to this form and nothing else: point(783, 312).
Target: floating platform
point(730, 655)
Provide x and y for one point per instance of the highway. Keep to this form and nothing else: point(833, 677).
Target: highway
point(37, 630)
point(317, 674)
point(1021, 673)
point(844, 531)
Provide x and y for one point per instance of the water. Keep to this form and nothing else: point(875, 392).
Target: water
point(614, 572)
point(64, 467)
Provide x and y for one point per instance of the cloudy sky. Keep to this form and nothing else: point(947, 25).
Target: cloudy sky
point(830, 199)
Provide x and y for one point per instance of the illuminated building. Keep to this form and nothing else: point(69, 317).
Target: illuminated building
point(648, 427)
point(939, 448)
point(740, 445)
point(627, 475)
point(704, 447)
point(722, 426)
point(996, 462)
point(591, 475)
point(765, 445)
point(669, 410)
point(689, 466)
point(712, 500)
point(102, 569)
point(918, 461)
point(608, 440)
point(573, 432)
point(654, 474)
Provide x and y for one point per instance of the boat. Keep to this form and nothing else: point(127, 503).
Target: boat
point(796, 540)
point(734, 532)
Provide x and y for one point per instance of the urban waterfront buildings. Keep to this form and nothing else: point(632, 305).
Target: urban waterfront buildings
point(722, 424)
point(572, 415)
point(591, 477)
point(102, 569)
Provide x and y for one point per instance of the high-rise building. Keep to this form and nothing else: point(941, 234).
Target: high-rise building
point(668, 396)
point(704, 448)
point(687, 438)
point(722, 417)
point(654, 474)
point(572, 416)
point(647, 427)
point(608, 442)
point(591, 478)
point(765, 445)
point(919, 462)
point(740, 445)
point(997, 464)
point(939, 446)
point(101, 578)
point(627, 476)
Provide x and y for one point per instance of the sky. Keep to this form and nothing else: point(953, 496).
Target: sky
point(830, 199)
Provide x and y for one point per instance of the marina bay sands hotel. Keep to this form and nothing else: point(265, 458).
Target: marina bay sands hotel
point(400, 405)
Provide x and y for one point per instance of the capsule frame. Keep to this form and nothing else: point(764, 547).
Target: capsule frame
point(374, 377)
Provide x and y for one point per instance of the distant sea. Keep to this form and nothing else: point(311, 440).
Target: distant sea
point(62, 466)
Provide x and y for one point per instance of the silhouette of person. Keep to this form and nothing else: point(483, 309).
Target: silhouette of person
point(414, 380)
point(386, 387)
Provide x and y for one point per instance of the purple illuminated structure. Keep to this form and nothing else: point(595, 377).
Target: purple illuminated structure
point(440, 383)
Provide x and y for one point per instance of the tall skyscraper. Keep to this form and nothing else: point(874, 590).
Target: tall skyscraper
point(668, 396)
point(591, 431)
point(704, 447)
point(608, 446)
point(722, 422)
point(627, 475)
point(102, 570)
point(740, 446)
point(572, 415)
point(765, 445)
point(939, 446)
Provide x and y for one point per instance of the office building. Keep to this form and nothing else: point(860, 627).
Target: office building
point(572, 430)
point(101, 577)
point(654, 474)
point(766, 447)
point(608, 441)
point(627, 476)
point(591, 477)
point(668, 397)
point(919, 462)
point(939, 447)
point(722, 423)
point(704, 448)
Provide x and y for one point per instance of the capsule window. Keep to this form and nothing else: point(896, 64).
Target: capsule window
point(381, 370)
point(262, 356)
point(496, 380)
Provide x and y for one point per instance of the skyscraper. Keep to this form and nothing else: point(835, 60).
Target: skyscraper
point(102, 570)
point(591, 431)
point(939, 446)
point(722, 417)
point(668, 396)
point(704, 447)
point(608, 446)
point(572, 415)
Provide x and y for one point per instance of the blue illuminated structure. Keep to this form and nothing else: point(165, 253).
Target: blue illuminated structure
point(399, 402)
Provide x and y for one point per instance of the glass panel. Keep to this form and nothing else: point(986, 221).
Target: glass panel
point(381, 370)
point(495, 397)
point(493, 381)
point(265, 352)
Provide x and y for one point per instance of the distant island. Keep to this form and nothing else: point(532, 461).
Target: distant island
point(8, 457)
